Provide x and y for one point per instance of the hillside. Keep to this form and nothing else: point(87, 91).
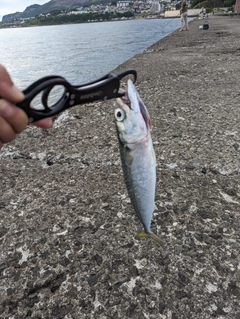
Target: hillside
point(36, 9)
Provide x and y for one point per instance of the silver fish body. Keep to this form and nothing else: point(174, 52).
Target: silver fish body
point(137, 155)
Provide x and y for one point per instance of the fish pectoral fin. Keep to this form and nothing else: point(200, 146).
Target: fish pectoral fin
point(150, 235)
point(155, 207)
point(128, 156)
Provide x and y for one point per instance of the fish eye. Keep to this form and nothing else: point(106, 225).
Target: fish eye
point(119, 115)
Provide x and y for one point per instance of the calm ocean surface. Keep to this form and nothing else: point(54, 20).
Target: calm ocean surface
point(78, 52)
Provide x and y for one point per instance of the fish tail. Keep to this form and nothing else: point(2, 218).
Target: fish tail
point(149, 235)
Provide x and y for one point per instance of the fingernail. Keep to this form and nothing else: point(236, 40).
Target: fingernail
point(7, 110)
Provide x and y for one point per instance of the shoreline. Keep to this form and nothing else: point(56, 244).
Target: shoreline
point(114, 20)
point(67, 227)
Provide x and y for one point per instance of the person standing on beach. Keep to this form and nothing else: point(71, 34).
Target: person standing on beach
point(183, 13)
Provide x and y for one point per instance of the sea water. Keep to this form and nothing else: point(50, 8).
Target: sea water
point(78, 52)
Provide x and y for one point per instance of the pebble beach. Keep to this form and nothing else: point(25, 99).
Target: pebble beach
point(67, 232)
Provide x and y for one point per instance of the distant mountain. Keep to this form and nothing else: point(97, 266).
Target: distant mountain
point(37, 9)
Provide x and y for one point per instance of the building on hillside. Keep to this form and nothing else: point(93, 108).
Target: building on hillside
point(122, 3)
point(236, 7)
point(155, 7)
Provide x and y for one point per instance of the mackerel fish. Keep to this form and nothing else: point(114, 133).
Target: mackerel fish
point(137, 155)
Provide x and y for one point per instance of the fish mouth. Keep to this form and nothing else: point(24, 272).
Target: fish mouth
point(133, 102)
point(131, 97)
point(126, 100)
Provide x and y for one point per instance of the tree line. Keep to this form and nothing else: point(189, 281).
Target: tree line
point(212, 3)
point(78, 18)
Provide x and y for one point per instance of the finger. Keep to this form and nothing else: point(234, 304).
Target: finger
point(44, 123)
point(4, 75)
point(7, 133)
point(13, 115)
point(7, 89)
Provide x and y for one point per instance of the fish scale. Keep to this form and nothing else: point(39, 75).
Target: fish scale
point(127, 175)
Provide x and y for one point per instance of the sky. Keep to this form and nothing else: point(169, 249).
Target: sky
point(12, 6)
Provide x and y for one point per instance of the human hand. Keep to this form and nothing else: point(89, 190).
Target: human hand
point(13, 120)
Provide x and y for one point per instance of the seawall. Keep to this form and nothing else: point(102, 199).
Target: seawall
point(67, 226)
